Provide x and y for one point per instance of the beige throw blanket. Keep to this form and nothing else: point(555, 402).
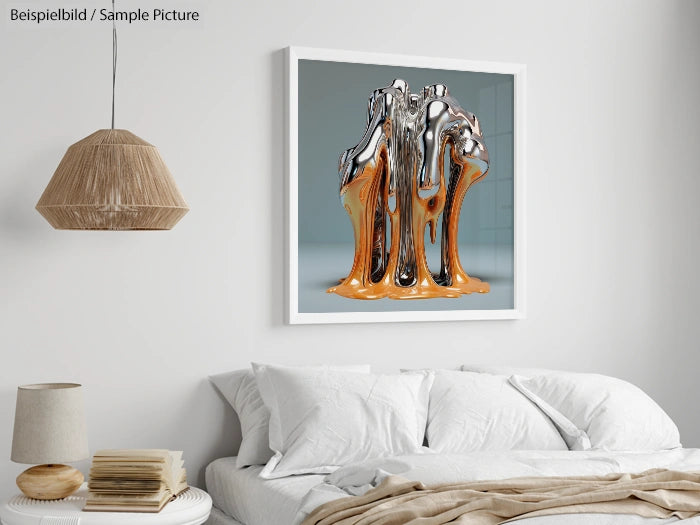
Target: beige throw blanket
point(657, 493)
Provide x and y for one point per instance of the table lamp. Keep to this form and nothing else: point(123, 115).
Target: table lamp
point(49, 430)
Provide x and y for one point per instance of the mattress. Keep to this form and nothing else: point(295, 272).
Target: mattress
point(251, 500)
point(240, 496)
point(217, 517)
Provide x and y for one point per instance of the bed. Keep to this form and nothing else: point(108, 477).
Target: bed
point(319, 437)
point(242, 496)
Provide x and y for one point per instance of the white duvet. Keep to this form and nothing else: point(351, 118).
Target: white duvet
point(444, 468)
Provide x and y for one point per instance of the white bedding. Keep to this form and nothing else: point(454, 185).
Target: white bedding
point(286, 501)
point(245, 496)
point(217, 517)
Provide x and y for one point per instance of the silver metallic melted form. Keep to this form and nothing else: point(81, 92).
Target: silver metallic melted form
point(414, 130)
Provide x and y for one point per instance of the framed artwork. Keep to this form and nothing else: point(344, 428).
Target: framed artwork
point(405, 188)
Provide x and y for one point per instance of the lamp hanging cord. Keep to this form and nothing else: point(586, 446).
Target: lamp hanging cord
point(114, 59)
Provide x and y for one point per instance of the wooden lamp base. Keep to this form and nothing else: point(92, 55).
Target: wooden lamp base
point(50, 481)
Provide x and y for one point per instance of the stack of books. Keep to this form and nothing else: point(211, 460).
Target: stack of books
point(134, 480)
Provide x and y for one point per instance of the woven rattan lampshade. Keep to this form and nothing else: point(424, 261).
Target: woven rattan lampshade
point(112, 180)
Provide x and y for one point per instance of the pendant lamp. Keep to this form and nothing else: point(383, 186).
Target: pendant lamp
point(112, 180)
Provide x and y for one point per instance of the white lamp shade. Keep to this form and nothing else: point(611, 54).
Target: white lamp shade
point(49, 424)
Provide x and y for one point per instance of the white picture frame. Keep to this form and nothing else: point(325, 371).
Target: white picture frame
point(518, 71)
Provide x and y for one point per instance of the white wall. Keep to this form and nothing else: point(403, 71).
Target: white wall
point(141, 319)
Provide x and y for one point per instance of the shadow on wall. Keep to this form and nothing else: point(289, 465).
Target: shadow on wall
point(278, 189)
point(18, 218)
point(220, 440)
point(8, 397)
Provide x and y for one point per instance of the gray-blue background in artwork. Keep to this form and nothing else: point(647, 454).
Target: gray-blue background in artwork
point(332, 107)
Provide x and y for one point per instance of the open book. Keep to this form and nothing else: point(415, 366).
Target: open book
point(137, 480)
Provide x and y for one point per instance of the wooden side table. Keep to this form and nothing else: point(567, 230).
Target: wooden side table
point(189, 508)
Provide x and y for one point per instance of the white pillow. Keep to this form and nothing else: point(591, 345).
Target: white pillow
point(321, 419)
point(241, 391)
point(508, 370)
point(615, 414)
point(473, 412)
point(575, 438)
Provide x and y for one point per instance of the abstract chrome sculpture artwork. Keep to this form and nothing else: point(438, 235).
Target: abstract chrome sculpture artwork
point(393, 185)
